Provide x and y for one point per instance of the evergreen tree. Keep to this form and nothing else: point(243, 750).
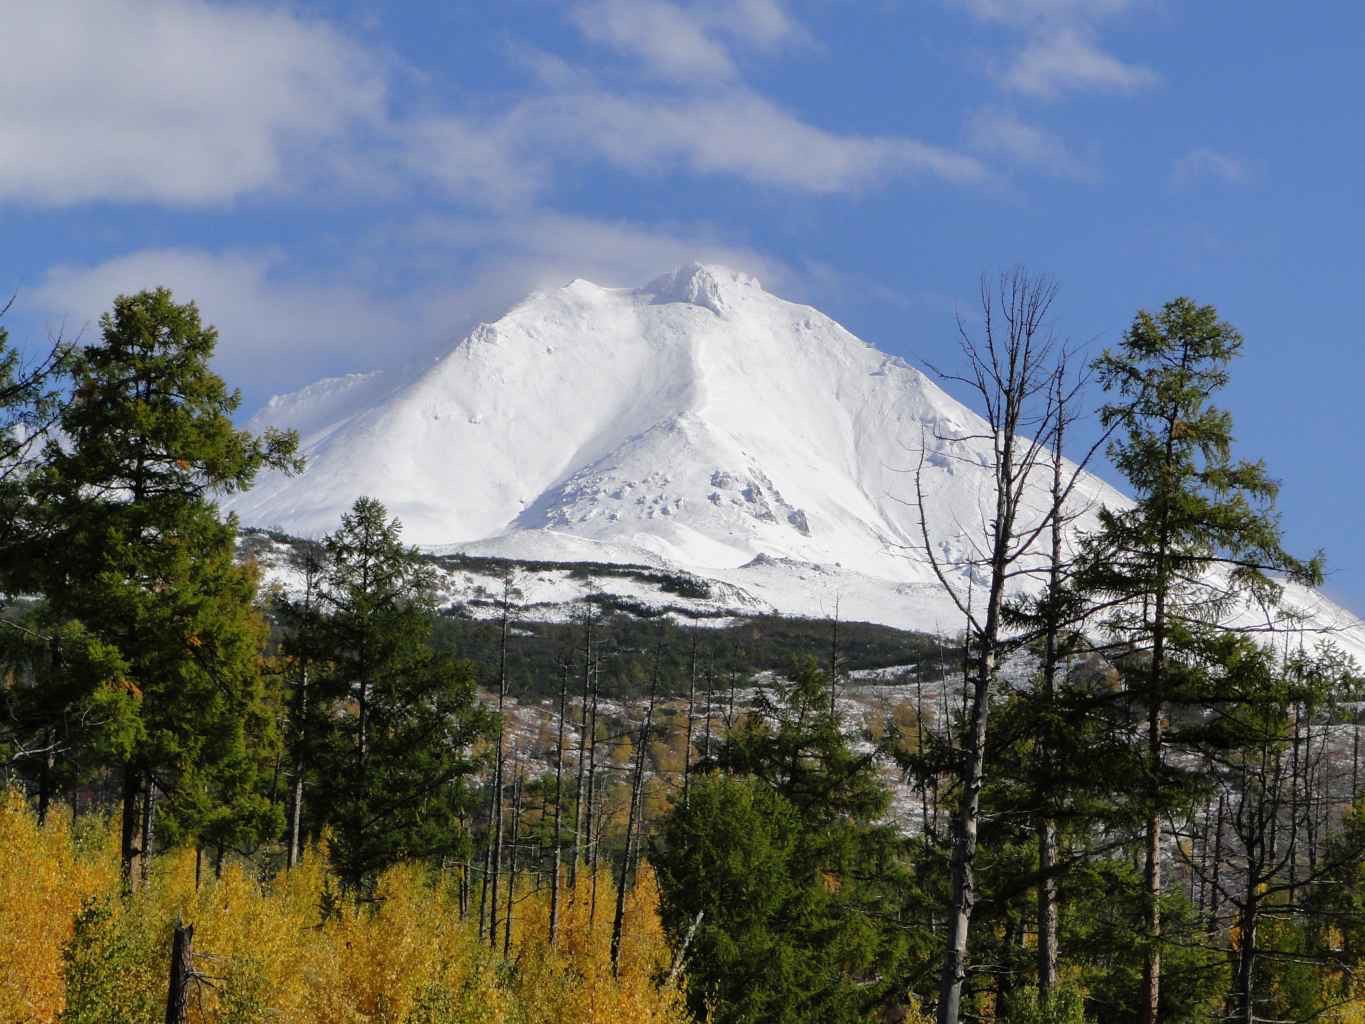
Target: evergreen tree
point(30, 401)
point(800, 884)
point(1200, 541)
point(132, 555)
point(394, 722)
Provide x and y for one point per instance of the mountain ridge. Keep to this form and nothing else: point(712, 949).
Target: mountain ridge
point(699, 422)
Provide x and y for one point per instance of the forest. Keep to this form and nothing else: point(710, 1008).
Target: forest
point(1127, 792)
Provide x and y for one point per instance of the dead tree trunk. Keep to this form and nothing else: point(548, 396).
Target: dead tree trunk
point(1009, 368)
point(311, 565)
point(559, 803)
point(691, 708)
point(582, 750)
point(148, 813)
point(592, 815)
point(495, 859)
point(512, 867)
point(635, 793)
point(1052, 626)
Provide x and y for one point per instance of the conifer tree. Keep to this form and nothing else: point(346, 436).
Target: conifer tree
point(30, 737)
point(784, 850)
point(1200, 542)
point(396, 721)
point(130, 546)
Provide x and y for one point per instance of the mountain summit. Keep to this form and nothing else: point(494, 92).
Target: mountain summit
point(698, 423)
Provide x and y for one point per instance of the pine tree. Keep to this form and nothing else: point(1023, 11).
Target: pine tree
point(396, 721)
point(31, 737)
point(130, 546)
point(783, 849)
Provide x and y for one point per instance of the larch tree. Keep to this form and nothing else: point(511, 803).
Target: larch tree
point(1200, 543)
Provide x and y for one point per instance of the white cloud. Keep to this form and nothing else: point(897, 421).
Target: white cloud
point(738, 133)
point(278, 331)
point(493, 162)
point(1005, 135)
point(1067, 59)
point(173, 101)
point(1061, 52)
point(273, 329)
point(1209, 165)
point(731, 131)
point(1023, 12)
point(689, 43)
point(762, 23)
point(547, 249)
point(665, 38)
point(188, 102)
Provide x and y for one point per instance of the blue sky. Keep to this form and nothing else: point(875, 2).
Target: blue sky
point(349, 185)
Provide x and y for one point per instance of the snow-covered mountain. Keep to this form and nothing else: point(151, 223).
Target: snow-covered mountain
point(698, 423)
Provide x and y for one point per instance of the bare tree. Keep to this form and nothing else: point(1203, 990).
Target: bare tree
point(633, 815)
point(509, 591)
point(588, 620)
point(1011, 368)
point(559, 799)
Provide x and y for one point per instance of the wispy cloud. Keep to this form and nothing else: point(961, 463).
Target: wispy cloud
point(174, 101)
point(1209, 165)
point(662, 35)
point(235, 101)
point(737, 133)
point(1024, 12)
point(266, 315)
point(1060, 50)
point(1067, 59)
point(690, 42)
point(1020, 143)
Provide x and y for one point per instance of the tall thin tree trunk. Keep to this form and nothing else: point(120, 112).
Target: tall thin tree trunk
point(691, 709)
point(312, 568)
point(296, 791)
point(495, 860)
point(45, 776)
point(919, 749)
point(512, 867)
point(582, 750)
point(485, 871)
point(834, 658)
point(1294, 773)
point(559, 802)
point(148, 813)
point(1246, 955)
point(592, 896)
point(1047, 827)
point(635, 794)
point(954, 972)
point(1216, 881)
point(1355, 758)
point(710, 684)
point(129, 852)
point(592, 814)
point(464, 889)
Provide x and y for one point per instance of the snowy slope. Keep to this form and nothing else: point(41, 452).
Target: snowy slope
point(699, 423)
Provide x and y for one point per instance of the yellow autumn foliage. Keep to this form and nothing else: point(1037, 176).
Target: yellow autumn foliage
point(267, 956)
